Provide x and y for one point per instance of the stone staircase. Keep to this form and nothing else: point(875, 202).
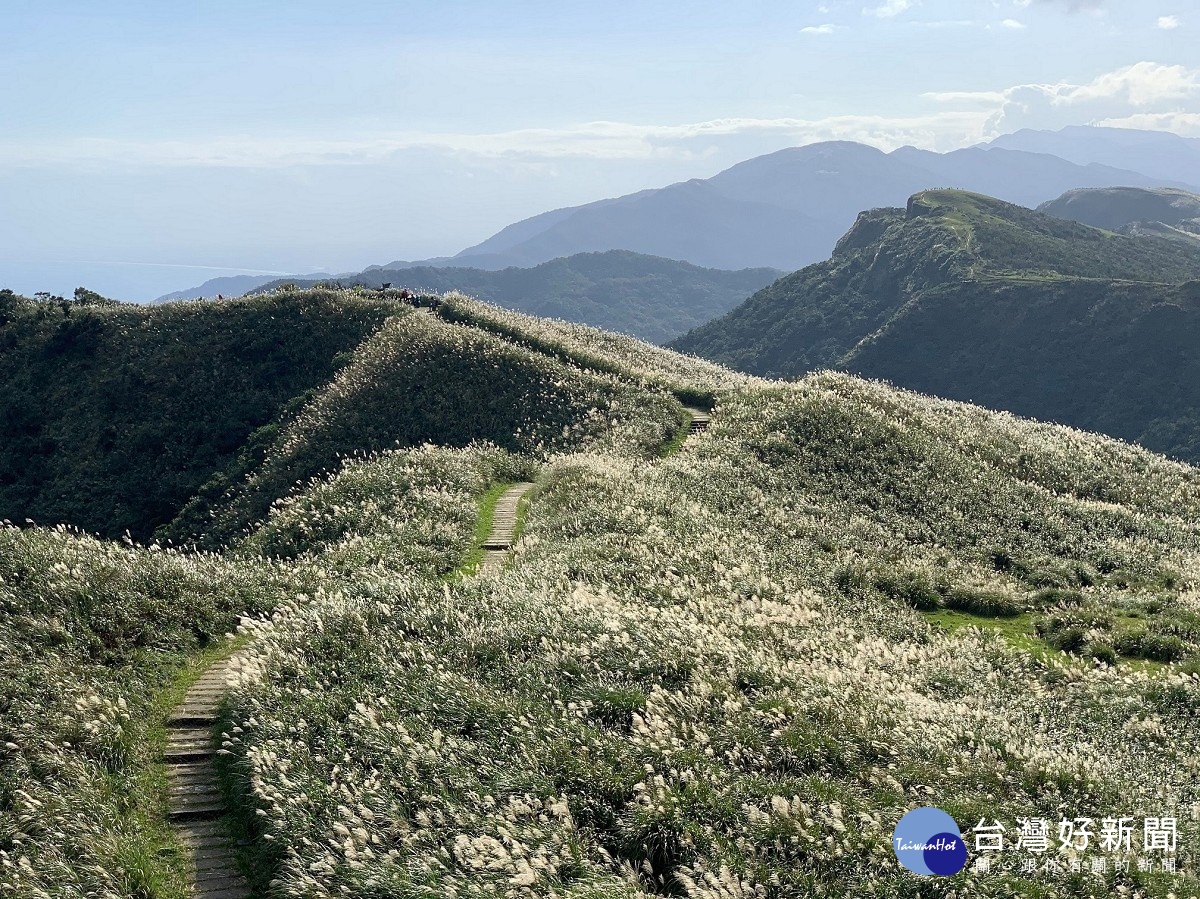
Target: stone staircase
point(196, 802)
point(499, 542)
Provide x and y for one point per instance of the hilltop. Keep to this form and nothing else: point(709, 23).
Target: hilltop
point(715, 665)
point(1173, 214)
point(968, 297)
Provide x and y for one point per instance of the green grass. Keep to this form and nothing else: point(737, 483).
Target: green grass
point(672, 446)
point(1019, 633)
point(156, 865)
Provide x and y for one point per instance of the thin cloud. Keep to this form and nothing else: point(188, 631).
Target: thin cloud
point(954, 119)
point(818, 29)
point(1186, 124)
point(1071, 5)
point(889, 8)
point(1013, 24)
point(1140, 84)
point(1168, 23)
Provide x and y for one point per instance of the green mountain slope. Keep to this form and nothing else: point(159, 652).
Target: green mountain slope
point(968, 297)
point(114, 415)
point(645, 296)
point(724, 671)
point(1173, 214)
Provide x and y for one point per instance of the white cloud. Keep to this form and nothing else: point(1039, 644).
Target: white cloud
point(1167, 23)
point(1143, 95)
point(940, 129)
point(1144, 87)
point(1140, 84)
point(1073, 5)
point(818, 29)
point(1183, 123)
point(889, 8)
point(1014, 24)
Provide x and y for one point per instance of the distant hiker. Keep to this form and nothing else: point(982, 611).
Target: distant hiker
point(219, 297)
point(405, 293)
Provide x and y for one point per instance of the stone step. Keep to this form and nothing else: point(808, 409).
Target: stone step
point(204, 844)
point(177, 746)
point(194, 717)
point(211, 885)
point(182, 732)
point(214, 859)
point(199, 811)
point(176, 756)
point(233, 892)
point(205, 791)
point(203, 831)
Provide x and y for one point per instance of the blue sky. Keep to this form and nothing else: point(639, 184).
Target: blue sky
point(142, 139)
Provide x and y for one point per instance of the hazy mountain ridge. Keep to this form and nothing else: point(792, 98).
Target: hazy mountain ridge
point(648, 297)
point(1165, 212)
point(1157, 154)
point(811, 193)
point(967, 297)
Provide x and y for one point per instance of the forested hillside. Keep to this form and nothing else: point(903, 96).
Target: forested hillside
point(967, 297)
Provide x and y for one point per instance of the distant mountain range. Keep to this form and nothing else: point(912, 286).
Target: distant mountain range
point(644, 296)
point(1156, 154)
point(230, 286)
point(1173, 214)
point(967, 297)
point(787, 209)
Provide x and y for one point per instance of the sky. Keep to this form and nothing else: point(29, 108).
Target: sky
point(148, 146)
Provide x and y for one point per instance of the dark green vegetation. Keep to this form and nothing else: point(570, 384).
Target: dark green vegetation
point(114, 415)
point(190, 419)
point(420, 380)
point(645, 296)
point(967, 297)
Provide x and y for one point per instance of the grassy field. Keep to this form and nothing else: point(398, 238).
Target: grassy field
point(720, 671)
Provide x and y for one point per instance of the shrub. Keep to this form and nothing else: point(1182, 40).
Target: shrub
point(988, 603)
point(1139, 643)
point(1102, 652)
point(1058, 597)
point(911, 588)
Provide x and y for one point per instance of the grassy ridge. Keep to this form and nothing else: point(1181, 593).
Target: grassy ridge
point(114, 416)
point(702, 672)
point(724, 672)
point(421, 380)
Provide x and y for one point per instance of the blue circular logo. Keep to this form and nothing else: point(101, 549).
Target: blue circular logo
point(927, 841)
